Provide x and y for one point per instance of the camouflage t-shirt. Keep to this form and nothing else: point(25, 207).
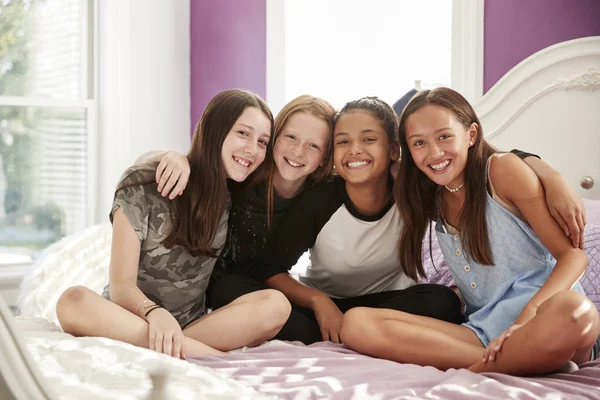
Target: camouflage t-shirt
point(172, 278)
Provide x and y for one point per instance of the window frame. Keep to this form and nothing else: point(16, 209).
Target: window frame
point(88, 102)
point(467, 51)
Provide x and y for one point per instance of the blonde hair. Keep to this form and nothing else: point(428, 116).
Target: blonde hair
point(318, 108)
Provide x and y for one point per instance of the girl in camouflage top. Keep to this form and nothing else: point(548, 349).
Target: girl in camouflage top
point(163, 252)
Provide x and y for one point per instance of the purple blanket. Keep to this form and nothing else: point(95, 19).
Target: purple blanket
point(326, 370)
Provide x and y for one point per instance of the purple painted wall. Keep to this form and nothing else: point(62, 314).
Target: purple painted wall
point(228, 40)
point(516, 29)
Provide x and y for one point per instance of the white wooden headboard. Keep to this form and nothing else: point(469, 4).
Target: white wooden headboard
point(549, 104)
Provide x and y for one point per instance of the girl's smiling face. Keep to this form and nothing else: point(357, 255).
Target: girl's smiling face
point(362, 151)
point(439, 144)
point(301, 146)
point(245, 146)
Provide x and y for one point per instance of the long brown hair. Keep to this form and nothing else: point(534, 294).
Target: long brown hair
point(318, 108)
point(415, 193)
point(197, 212)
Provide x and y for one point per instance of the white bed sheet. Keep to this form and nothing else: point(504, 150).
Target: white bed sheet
point(98, 368)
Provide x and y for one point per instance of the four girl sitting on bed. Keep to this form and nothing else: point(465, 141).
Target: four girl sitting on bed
point(351, 227)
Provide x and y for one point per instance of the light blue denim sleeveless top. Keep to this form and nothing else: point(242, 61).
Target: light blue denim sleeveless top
point(496, 294)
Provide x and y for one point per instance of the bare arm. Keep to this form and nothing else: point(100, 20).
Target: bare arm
point(518, 185)
point(172, 172)
point(150, 157)
point(297, 292)
point(565, 205)
point(164, 333)
point(326, 311)
point(124, 260)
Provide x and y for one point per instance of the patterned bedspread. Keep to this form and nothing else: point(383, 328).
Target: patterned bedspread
point(329, 371)
point(98, 368)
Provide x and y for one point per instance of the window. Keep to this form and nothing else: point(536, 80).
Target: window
point(47, 128)
point(345, 49)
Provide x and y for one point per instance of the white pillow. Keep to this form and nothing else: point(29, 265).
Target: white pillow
point(78, 259)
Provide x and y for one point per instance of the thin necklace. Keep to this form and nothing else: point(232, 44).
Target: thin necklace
point(456, 189)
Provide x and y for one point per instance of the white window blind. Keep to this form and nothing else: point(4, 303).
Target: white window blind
point(47, 123)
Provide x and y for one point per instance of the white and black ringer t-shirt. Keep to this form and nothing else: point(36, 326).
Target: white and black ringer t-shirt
point(351, 254)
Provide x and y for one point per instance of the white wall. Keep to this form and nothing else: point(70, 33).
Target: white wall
point(143, 85)
point(345, 49)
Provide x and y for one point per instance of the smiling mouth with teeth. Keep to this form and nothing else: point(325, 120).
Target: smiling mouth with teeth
point(439, 166)
point(242, 162)
point(357, 164)
point(293, 163)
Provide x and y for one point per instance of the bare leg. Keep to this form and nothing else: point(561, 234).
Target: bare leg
point(247, 321)
point(408, 338)
point(565, 328)
point(82, 312)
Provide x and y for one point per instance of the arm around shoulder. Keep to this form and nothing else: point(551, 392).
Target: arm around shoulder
point(516, 183)
point(565, 204)
point(150, 157)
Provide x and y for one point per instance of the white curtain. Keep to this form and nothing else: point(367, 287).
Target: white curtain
point(143, 85)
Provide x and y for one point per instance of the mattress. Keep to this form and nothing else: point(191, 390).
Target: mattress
point(98, 368)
